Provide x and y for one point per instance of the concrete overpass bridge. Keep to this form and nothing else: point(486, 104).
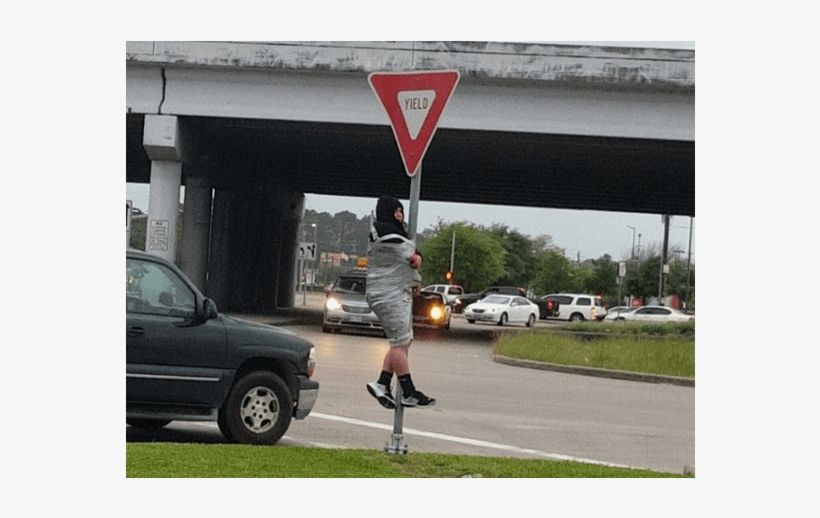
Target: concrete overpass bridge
point(250, 127)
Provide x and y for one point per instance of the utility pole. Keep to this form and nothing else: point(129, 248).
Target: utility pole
point(688, 263)
point(632, 257)
point(662, 275)
point(453, 250)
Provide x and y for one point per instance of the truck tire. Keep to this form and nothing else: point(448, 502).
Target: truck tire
point(576, 317)
point(258, 409)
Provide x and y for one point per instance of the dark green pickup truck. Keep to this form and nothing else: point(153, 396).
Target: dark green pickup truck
point(185, 361)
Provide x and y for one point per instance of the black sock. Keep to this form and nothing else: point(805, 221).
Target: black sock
point(385, 378)
point(407, 388)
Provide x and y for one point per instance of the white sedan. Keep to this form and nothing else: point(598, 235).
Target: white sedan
point(502, 309)
point(658, 314)
point(619, 312)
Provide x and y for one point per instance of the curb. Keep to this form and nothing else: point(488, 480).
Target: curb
point(594, 371)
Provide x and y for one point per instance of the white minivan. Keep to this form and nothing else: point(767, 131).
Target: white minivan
point(574, 307)
point(450, 291)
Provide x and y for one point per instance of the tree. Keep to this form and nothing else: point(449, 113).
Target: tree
point(553, 274)
point(676, 281)
point(601, 278)
point(643, 282)
point(478, 261)
point(520, 261)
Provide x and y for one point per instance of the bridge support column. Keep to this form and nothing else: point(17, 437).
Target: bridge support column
point(219, 263)
point(255, 234)
point(196, 230)
point(162, 144)
point(291, 210)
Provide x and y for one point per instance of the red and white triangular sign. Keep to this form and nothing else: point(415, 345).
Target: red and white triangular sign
point(414, 102)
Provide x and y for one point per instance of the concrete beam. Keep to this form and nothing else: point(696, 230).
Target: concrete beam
point(161, 138)
point(656, 68)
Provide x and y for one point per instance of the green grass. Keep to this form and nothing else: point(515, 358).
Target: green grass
point(667, 349)
point(166, 460)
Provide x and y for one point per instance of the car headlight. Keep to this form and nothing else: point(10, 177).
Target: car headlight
point(436, 313)
point(492, 310)
point(332, 304)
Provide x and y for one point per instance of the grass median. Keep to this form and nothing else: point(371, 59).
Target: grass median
point(664, 349)
point(167, 460)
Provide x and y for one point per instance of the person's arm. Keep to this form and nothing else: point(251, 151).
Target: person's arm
point(415, 260)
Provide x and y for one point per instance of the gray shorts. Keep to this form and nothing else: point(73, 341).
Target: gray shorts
point(396, 316)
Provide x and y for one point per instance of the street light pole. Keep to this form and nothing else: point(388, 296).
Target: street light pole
point(632, 257)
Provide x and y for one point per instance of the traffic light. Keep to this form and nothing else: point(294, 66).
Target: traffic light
point(448, 276)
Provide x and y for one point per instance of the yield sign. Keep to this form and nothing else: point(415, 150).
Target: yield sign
point(414, 102)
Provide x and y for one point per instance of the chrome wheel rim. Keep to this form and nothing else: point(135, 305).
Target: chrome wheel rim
point(259, 409)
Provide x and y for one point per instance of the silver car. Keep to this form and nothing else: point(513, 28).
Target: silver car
point(346, 307)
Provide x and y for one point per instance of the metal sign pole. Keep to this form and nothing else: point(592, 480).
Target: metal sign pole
point(395, 446)
point(415, 191)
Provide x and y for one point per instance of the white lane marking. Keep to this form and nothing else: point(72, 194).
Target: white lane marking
point(471, 442)
point(443, 437)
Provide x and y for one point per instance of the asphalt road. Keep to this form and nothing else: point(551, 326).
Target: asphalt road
point(483, 407)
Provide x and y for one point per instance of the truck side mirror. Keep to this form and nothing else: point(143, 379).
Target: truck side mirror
point(209, 309)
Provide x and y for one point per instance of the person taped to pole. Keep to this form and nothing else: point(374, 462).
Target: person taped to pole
point(392, 275)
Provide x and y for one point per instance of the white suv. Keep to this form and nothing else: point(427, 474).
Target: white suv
point(449, 291)
point(574, 307)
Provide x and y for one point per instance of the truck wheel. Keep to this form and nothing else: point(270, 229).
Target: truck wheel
point(503, 319)
point(471, 321)
point(147, 424)
point(576, 317)
point(223, 427)
point(258, 409)
point(327, 329)
point(531, 320)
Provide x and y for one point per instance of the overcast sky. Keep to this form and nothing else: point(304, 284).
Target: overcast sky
point(585, 234)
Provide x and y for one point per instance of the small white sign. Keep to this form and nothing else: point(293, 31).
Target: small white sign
point(622, 269)
point(307, 251)
point(159, 235)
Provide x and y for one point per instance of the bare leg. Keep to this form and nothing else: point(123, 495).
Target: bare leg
point(396, 361)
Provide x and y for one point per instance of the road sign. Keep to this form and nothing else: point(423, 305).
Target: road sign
point(622, 269)
point(414, 102)
point(307, 251)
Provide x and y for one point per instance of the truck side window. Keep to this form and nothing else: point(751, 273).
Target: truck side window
point(153, 289)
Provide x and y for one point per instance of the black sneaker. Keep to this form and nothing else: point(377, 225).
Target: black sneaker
point(382, 394)
point(418, 400)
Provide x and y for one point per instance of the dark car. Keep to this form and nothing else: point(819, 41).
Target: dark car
point(548, 305)
point(462, 301)
point(430, 309)
point(185, 361)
